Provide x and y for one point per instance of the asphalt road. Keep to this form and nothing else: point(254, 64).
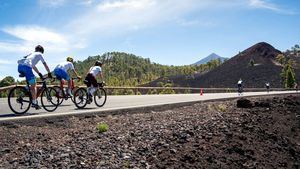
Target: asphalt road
point(122, 102)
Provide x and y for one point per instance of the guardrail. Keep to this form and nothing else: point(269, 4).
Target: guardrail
point(144, 90)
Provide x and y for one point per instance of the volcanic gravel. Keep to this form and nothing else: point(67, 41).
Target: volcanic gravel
point(202, 135)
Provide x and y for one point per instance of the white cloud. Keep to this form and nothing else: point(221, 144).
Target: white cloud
point(267, 4)
point(12, 47)
point(51, 3)
point(129, 4)
point(36, 34)
point(86, 2)
point(31, 35)
point(112, 17)
point(5, 62)
point(263, 4)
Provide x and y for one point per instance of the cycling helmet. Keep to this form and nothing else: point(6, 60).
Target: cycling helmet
point(98, 63)
point(39, 48)
point(69, 59)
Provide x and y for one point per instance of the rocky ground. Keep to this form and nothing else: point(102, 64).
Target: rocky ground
point(202, 135)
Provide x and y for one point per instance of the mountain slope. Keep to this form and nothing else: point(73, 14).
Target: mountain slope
point(263, 69)
point(227, 74)
point(123, 69)
point(209, 58)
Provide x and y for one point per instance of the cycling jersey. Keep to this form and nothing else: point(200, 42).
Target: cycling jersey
point(32, 59)
point(65, 66)
point(95, 70)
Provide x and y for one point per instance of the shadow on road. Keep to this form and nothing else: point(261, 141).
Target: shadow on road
point(16, 115)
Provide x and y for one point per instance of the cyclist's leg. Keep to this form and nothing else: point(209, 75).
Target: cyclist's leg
point(64, 75)
point(88, 83)
point(30, 78)
point(94, 84)
point(58, 77)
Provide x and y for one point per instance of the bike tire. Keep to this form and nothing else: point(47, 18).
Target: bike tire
point(49, 94)
point(73, 92)
point(80, 98)
point(23, 92)
point(61, 98)
point(100, 97)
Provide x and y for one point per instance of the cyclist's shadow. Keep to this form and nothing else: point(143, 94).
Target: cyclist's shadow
point(16, 115)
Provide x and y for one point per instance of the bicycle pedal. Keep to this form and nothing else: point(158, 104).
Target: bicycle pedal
point(37, 107)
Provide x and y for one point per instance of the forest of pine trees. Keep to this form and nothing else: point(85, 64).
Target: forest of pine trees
point(122, 69)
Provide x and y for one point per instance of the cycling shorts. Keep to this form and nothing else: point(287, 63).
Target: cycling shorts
point(27, 71)
point(90, 80)
point(61, 74)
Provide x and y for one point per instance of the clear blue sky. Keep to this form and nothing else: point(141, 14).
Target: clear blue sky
point(172, 32)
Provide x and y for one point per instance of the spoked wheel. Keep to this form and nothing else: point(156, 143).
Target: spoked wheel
point(19, 100)
point(240, 91)
point(59, 93)
point(80, 98)
point(73, 92)
point(100, 97)
point(50, 99)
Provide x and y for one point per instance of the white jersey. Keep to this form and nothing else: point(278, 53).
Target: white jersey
point(32, 59)
point(95, 70)
point(65, 66)
point(240, 82)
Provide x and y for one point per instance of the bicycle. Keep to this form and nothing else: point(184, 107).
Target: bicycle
point(62, 91)
point(240, 90)
point(82, 98)
point(20, 97)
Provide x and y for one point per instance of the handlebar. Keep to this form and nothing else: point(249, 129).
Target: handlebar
point(44, 80)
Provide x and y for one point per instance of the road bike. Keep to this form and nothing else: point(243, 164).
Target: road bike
point(62, 91)
point(20, 97)
point(82, 98)
point(268, 89)
point(240, 90)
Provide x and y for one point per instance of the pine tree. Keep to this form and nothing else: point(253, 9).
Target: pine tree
point(290, 78)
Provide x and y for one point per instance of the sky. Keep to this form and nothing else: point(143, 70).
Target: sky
point(170, 32)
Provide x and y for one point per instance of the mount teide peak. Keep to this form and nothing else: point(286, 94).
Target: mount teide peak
point(209, 58)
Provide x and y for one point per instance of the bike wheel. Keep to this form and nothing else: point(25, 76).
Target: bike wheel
point(73, 92)
point(100, 97)
point(50, 99)
point(80, 98)
point(59, 93)
point(19, 100)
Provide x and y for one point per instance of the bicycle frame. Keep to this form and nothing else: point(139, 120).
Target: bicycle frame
point(62, 83)
point(40, 90)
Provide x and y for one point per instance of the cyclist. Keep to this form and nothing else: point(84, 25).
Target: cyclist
point(240, 86)
point(61, 73)
point(268, 86)
point(90, 79)
point(25, 67)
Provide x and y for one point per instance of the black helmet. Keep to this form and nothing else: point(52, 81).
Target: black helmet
point(39, 48)
point(98, 63)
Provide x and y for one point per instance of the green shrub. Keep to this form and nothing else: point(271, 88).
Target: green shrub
point(102, 127)
point(222, 107)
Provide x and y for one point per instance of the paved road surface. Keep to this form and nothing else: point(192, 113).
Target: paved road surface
point(121, 102)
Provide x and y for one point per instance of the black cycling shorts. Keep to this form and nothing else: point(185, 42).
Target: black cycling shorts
point(90, 80)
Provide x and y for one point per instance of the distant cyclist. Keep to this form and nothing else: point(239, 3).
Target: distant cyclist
point(25, 67)
point(90, 79)
point(268, 86)
point(240, 86)
point(61, 73)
